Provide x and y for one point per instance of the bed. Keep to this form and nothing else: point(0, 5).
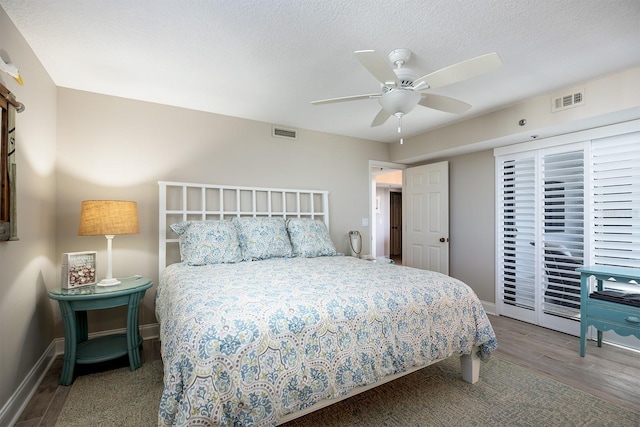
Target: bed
point(262, 320)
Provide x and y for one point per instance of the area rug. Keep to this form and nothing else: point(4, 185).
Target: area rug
point(506, 395)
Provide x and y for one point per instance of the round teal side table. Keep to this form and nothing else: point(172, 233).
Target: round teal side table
point(74, 304)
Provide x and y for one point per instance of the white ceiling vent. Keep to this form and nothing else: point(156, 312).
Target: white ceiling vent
point(569, 99)
point(280, 132)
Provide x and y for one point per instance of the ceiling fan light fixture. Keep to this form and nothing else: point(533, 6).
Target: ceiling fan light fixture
point(399, 101)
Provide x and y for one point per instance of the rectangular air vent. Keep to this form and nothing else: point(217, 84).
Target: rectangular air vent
point(569, 99)
point(281, 132)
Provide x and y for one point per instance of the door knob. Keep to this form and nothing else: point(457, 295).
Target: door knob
point(442, 240)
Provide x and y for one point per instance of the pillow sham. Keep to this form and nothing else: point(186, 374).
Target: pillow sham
point(208, 242)
point(310, 238)
point(262, 238)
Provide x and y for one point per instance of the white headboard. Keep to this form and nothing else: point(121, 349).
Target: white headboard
point(182, 201)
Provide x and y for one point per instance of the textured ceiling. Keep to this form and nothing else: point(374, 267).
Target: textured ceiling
point(267, 60)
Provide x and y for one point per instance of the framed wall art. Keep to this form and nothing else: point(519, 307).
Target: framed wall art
point(8, 209)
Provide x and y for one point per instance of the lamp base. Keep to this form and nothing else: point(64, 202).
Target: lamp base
point(108, 282)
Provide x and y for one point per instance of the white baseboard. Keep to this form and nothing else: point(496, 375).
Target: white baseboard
point(489, 307)
point(11, 411)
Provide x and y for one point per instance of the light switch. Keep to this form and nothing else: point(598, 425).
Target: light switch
point(365, 222)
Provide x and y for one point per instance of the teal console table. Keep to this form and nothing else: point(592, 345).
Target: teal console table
point(607, 315)
point(74, 304)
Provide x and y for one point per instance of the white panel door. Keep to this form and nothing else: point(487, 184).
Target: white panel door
point(426, 217)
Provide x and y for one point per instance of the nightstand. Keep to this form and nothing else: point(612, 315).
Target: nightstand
point(74, 304)
point(622, 318)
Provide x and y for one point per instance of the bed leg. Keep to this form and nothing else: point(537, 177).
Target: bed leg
point(470, 366)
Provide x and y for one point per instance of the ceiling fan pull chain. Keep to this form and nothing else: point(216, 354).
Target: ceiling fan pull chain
point(400, 128)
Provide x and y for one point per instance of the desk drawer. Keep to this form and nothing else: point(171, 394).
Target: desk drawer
point(619, 314)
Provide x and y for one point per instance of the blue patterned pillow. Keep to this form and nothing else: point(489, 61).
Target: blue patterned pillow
point(262, 238)
point(208, 242)
point(310, 238)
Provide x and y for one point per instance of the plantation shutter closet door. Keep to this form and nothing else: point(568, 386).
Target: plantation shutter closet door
point(616, 200)
point(517, 218)
point(615, 206)
point(541, 208)
point(562, 203)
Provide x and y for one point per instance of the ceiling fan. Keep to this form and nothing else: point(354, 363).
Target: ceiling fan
point(402, 91)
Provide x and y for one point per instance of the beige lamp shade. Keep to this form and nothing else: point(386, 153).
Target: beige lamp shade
point(108, 217)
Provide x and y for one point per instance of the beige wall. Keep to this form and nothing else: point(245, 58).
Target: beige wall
point(117, 148)
point(471, 220)
point(27, 267)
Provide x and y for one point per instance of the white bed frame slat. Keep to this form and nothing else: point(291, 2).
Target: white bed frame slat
point(191, 208)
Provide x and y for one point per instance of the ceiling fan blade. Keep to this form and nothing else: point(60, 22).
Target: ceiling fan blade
point(461, 71)
point(380, 118)
point(378, 66)
point(443, 103)
point(346, 98)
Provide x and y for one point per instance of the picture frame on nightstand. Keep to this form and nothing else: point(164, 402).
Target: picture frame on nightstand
point(78, 269)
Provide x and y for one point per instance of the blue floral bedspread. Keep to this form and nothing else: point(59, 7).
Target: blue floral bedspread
point(247, 343)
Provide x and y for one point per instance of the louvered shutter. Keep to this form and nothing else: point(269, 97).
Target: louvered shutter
point(517, 231)
point(562, 230)
point(616, 200)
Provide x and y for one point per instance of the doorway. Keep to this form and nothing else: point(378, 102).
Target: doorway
point(424, 213)
point(386, 216)
point(395, 226)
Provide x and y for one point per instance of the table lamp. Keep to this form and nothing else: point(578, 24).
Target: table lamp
point(108, 218)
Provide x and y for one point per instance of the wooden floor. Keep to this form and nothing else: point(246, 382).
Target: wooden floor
point(610, 373)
